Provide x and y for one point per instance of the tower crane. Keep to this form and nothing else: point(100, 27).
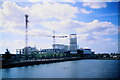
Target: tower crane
point(52, 36)
point(26, 35)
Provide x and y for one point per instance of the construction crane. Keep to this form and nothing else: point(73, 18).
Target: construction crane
point(26, 35)
point(52, 36)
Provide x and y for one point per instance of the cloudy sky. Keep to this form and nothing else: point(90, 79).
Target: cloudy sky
point(95, 23)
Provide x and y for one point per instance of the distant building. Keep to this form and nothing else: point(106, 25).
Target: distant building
point(57, 48)
point(60, 46)
point(30, 50)
point(52, 50)
point(86, 51)
point(73, 43)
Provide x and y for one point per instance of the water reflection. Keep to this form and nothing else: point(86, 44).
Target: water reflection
point(69, 69)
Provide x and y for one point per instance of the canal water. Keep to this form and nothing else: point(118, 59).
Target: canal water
point(69, 69)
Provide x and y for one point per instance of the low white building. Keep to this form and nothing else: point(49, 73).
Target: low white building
point(52, 51)
point(60, 46)
point(30, 50)
point(87, 51)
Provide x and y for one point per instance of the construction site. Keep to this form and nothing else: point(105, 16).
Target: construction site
point(56, 48)
point(59, 52)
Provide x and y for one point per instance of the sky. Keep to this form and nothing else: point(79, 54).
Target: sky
point(95, 23)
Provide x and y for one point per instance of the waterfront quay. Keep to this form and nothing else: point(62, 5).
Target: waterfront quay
point(38, 61)
point(18, 60)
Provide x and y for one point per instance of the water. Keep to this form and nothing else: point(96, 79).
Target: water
point(68, 69)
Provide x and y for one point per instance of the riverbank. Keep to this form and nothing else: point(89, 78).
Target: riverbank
point(46, 61)
point(39, 61)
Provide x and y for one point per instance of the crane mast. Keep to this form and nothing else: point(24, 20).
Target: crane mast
point(53, 41)
point(26, 35)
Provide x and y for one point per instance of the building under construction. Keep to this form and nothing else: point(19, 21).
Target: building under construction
point(73, 43)
point(56, 47)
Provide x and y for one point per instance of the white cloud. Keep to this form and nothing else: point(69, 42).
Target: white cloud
point(39, 32)
point(95, 5)
point(62, 0)
point(83, 36)
point(109, 31)
point(12, 20)
point(54, 1)
point(57, 25)
point(10, 16)
point(82, 10)
point(96, 27)
point(53, 10)
point(12, 12)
